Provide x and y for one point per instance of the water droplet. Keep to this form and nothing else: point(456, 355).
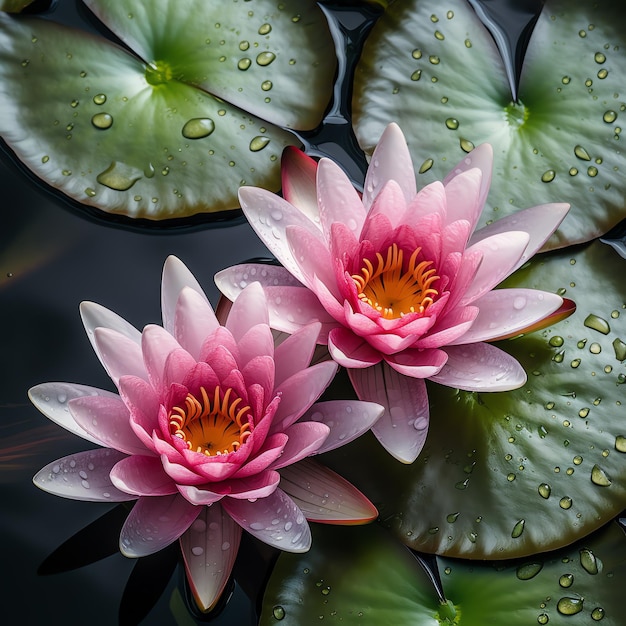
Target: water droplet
point(597, 323)
point(416, 75)
point(265, 29)
point(567, 580)
point(573, 171)
point(528, 570)
point(597, 614)
point(581, 153)
point(588, 561)
point(466, 145)
point(609, 116)
point(244, 64)
point(119, 176)
point(258, 143)
point(90, 192)
point(198, 127)
point(439, 35)
point(278, 612)
point(468, 43)
point(620, 443)
point(426, 165)
point(266, 85)
point(45, 158)
point(518, 529)
point(599, 476)
point(569, 606)
point(542, 618)
point(416, 54)
point(510, 477)
point(556, 341)
point(548, 176)
point(566, 80)
point(102, 121)
point(462, 484)
point(603, 73)
point(565, 502)
point(592, 171)
point(452, 123)
point(452, 517)
point(434, 59)
point(265, 58)
point(575, 363)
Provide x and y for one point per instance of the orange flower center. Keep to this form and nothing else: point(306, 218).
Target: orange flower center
point(211, 426)
point(394, 290)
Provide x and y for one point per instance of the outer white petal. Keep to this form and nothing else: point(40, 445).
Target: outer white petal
point(403, 427)
point(194, 320)
point(480, 367)
point(154, 523)
point(209, 550)
point(324, 496)
point(83, 476)
point(391, 161)
point(277, 520)
point(52, 398)
point(120, 355)
point(175, 277)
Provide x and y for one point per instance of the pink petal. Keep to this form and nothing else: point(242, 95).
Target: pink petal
point(324, 496)
point(276, 520)
point(417, 363)
point(501, 253)
point(505, 312)
point(143, 405)
point(194, 321)
point(350, 350)
point(388, 343)
point(259, 485)
point(142, 476)
point(154, 523)
point(175, 278)
point(295, 352)
point(391, 161)
point(305, 438)
point(52, 398)
point(481, 158)
point(454, 238)
point(403, 427)
point(390, 202)
point(248, 310)
point(347, 420)
point(337, 198)
point(120, 355)
point(157, 344)
point(209, 547)
point(539, 222)
point(449, 328)
point(430, 199)
point(198, 496)
point(298, 173)
point(480, 367)
point(179, 365)
point(269, 452)
point(258, 341)
point(300, 391)
point(220, 344)
point(260, 371)
point(269, 215)
point(107, 419)
point(83, 476)
point(464, 197)
point(377, 232)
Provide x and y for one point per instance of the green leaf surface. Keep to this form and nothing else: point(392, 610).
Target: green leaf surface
point(435, 70)
point(359, 576)
point(14, 6)
point(144, 138)
point(510, 474)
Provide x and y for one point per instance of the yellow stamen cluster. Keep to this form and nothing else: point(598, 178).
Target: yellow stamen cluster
point(393, 290)
point(211, 426)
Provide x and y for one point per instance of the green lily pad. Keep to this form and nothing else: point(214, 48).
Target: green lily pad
point(359, 576)
point(148, 137)
point(510, 474)
point(14, 6)
point(435, 70)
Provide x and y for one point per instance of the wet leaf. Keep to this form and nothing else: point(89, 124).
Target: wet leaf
point(362, 577)
point(509, 474)
point(435, 70)
point(144, 137)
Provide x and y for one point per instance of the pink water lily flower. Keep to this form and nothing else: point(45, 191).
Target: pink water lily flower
point(400, 280)
point(209, 431)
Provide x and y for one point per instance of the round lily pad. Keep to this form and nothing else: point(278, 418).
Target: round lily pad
point(162, 135)
point(515, 473)
point(360, 576)
point(435, 70)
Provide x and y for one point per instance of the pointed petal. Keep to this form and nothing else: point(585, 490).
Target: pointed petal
point(83, 476)
point(539, 222)
point(305, 438)
point(337, 199)
point(403, 427)
point(120, 355)
point(276, 520)
point(480, 367)
point(52, 398)
point(295, 352)
point(324, 496)
point(430, 199)
point(154, 523)
point(350, 350)
point(209, 547)
point(198, 496)
point(142, 476)
point(391, 161)
point(298, 172)
point(417, 363)
point(194, 321)
point(107, 419)
point(507, 312)
point(248, 310)
point(347, 420)
point(390, 203)
point(258, 341)
point(157, 344)
point(464, 199)
point(174, 279)
point(143, 405)
point(449, 328)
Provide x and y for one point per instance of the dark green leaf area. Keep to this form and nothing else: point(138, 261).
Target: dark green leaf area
point(515, 473)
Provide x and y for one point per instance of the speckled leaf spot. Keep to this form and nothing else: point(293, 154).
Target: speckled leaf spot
point(364, 577)
point(509, 474)
point(435, 70)
point(175, 130)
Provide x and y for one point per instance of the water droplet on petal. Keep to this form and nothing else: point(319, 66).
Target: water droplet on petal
point(581, 153)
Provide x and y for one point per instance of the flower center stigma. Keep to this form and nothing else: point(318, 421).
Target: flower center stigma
point(393, 289)
point(211, 425)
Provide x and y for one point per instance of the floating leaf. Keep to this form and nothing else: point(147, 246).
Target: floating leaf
point(144, 137)
point(363, 577)
point(515, 473)
point(435, 70)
